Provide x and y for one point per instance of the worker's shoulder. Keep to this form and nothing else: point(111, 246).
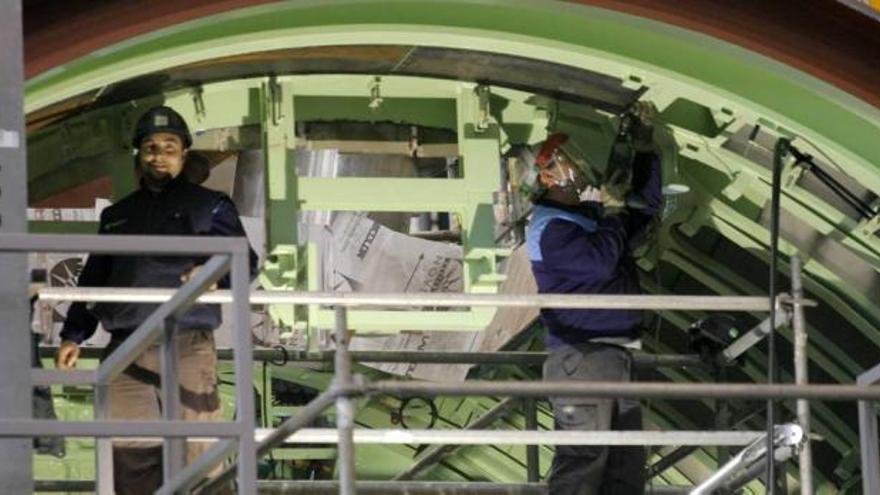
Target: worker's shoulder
point(122, 206)
point(208, 197)
point(208, 201)
point(201, 193)
point(545, 216)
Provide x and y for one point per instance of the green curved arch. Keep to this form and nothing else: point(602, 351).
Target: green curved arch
point(669, 60)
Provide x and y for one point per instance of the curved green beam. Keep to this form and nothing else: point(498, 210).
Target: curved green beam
point(672, 62)
point(733, 82)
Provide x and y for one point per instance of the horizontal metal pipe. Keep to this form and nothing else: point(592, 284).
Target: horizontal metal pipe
point(312, 436)
point(580, 301)
point(332, 487)
point(641, 360)
point(87, 486)
point(635, 390)
point(404, 488)
point(371, 487)
point(282, 356)
point(521, 437)
point(116, 428)
point(43, 377)
point(122, 244)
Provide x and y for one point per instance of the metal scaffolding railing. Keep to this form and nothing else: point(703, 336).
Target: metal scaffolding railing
point(785, 439)
point(228, 254)
point(345, 387)
point(283, 355)
point(427, 299)
point(868, 434)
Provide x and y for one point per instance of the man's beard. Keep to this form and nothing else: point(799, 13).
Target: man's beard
point(156, 181)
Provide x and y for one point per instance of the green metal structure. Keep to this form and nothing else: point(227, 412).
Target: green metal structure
point(723, 106)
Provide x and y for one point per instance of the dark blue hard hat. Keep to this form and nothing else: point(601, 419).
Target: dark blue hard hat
point(161, 119)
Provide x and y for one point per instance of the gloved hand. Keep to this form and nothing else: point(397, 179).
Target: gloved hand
point(611, 198)
point(642, 130)
point(590, 194)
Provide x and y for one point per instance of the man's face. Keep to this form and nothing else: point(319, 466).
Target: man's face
point(561, 172)
point(162, 155)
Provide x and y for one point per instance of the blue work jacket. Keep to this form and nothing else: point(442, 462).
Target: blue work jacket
point(579, 250)
point(179, 209)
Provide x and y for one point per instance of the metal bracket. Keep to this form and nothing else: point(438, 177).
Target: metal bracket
point(723, 116)
point(199, 102)
point(870, 226)
point(488, 258)
point(483, 119)
point(375, 94)
point(275, 101)
point(283, 263)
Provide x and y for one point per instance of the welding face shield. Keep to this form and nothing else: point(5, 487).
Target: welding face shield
point(557, 162)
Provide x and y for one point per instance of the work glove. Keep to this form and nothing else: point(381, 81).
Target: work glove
point(612, 200)
point(590, 194)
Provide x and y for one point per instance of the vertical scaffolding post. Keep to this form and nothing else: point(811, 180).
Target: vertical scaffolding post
point(868, 435)
point(532, 468)
point(103, 446)
point(781, 149)
point(722, 415)
point(344, 407)
point(172, 448)
point(244, 369)
point(15, 390)
point(799, 327)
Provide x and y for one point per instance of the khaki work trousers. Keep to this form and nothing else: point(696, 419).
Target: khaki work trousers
point(135, 394)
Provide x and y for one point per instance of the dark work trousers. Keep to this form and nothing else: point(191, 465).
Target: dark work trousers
point(135, 394)
point(43, 407)
point(588, 469)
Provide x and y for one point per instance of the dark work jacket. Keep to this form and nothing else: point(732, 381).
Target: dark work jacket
point(179, 209)
point(577, 250)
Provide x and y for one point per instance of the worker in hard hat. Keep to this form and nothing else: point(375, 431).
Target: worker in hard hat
point(166, 203)
point(579, 242)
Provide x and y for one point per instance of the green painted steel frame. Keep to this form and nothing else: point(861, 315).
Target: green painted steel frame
point(271, 103)
point(673, 61)
point(738, 87)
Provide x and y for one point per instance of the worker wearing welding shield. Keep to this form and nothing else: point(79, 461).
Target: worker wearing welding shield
point(579, 241)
